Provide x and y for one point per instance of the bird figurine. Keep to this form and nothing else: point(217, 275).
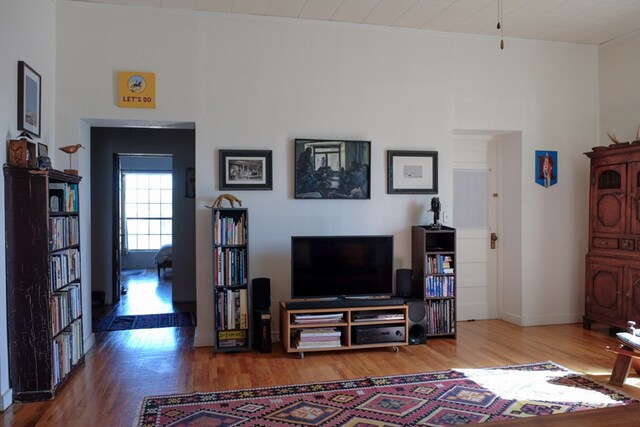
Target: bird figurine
point(70, 149)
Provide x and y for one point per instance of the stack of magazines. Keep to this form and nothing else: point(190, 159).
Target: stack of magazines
point(318, 338)
point(303, 319)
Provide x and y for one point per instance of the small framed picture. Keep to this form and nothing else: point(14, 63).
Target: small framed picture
point(245, 169)
point(43, 150)
point(412, 172)
point(29, 93)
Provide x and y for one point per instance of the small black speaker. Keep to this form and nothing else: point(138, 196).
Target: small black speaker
point(417, 321)
point(403, 282)
point(261, 293)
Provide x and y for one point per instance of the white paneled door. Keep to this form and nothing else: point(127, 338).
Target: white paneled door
point(475, 219)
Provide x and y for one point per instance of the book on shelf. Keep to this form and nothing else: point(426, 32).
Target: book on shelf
point(439, 264)
point(439, 286)
point(63, 197)
point(232, 309)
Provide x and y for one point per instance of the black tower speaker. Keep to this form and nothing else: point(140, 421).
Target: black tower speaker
point(261, 293)
point(403, 282)
point(262, 330)
point(261, 301)
point(417, 321)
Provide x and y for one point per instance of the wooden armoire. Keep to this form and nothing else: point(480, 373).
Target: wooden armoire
point(612, 292)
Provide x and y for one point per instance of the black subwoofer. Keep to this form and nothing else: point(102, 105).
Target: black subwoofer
point(417, 332)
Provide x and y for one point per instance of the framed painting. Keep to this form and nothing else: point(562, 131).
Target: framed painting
point(245, 169)
point(412, 172)
point(29, 102)
point(332, 169)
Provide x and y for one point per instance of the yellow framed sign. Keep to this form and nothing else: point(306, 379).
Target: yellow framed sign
point(136, 89)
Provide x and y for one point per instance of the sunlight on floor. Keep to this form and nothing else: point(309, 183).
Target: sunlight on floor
point(535, 386)
point(156, 339)
point(145, 296)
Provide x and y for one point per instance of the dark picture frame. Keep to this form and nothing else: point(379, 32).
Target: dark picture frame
point(412, 172)
point(245, 169)
point(29, 99)
point(332, 169)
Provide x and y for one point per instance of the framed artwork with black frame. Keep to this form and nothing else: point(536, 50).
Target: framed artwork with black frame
point(412, 172)
point(245, 169)
point(332, 169)
point(29, 99)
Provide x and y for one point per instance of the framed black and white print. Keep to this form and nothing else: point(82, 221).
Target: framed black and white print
point(332, 169)
point(29, 102)
point(412, 172)
point(245, 169)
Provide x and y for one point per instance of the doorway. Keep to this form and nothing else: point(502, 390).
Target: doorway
point(143, 234)
point(475, 220)
point(107, 145)
point(487, 214)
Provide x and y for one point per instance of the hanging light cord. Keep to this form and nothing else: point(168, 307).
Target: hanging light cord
point(500, 24)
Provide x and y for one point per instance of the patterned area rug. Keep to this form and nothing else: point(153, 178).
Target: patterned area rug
point(142, 321)
point(455, 397)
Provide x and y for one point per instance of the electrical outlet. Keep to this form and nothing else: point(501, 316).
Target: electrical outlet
point(446, 216)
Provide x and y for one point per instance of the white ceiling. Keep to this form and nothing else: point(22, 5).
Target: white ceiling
point(577, 21)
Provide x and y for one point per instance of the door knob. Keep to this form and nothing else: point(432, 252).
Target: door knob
point(494, 239)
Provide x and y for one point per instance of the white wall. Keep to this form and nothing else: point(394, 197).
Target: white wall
point(258, 83)
point(37, 48)
point(619, 89)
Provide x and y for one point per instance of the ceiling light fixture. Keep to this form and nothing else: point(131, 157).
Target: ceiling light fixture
point(500, 24)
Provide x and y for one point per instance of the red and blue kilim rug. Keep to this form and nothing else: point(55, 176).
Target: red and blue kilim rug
point(455, 397)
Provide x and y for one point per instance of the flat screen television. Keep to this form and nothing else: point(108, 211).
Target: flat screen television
point(341, 266)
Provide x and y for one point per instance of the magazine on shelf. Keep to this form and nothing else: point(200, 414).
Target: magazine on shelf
point(318, 318)
point(320, 332)
point(317, 344)
point(380, 316)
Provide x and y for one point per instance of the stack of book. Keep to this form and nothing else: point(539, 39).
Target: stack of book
point(318, 338)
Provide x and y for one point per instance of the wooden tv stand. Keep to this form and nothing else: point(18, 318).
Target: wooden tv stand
point(353, 322)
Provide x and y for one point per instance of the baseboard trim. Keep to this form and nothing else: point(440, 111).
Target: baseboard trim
point(203, 340)
point(89, 342)
point(7, 399)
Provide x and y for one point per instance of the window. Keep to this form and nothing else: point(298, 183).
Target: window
point(148, 210)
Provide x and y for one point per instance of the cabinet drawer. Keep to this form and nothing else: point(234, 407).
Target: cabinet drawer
point(599, 242)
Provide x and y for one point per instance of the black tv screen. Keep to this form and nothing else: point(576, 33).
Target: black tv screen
point(341, 266)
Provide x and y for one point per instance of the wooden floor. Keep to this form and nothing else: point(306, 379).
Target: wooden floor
point(125, 366)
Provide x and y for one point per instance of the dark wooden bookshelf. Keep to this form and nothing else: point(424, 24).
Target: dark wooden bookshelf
point(44, 315)
point(431, 249)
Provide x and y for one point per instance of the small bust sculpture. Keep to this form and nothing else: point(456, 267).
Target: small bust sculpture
point(435, 208)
